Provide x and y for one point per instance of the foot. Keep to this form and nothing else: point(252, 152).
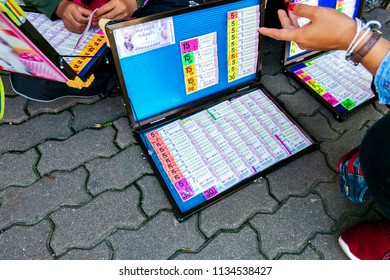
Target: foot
point(367, 241)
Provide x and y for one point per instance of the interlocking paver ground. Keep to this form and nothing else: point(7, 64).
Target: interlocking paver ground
point(74, 185)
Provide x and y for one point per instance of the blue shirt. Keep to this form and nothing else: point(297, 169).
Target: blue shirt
point(382, 80)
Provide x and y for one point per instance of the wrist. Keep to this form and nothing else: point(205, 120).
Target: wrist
point(61, 8)
point(365, 46)
point(349, 35)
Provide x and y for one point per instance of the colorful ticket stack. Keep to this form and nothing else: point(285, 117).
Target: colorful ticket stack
point(200, 62)
point(242, 43)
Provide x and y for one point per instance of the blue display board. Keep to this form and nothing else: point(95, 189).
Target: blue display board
point(154, 80)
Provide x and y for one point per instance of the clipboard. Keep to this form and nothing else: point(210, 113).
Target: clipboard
point(191, 84)
point(30, 45)
point(337, 84)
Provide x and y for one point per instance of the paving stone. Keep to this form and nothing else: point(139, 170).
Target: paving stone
point(307, 254)
point(100, 252)
point(83, 227)
point(30, 204)
point(14, 110)
point(108, 109)
point(338, 205)
point(335, 149)
point(242, 245)
point(158, 239)
point(278, 84)
point(384, 18)
point(329, 247)
point(28, 134)
point(18, 169)
point(26, 242)
point(35, 108)
point(124, 137)
point(234, 210)
point(318, 127)
point(288, 229)
point(117, 172)
point(298, 176)
point(300, 103)
point(354, 121)
point(153, 196)
point(76, 150)
point(381, 108)
point(271, 57)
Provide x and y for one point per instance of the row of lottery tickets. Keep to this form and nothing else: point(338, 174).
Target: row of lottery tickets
point(213, 150)
point(330, 76)
point(200, 54)
point(65, 44)
point(243, 41)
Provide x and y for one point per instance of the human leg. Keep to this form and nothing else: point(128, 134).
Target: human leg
point(43, 90)
point(371, 240)
point(375, 161)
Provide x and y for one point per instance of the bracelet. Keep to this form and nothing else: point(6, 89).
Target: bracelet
point(357, 57)
point(371, 25)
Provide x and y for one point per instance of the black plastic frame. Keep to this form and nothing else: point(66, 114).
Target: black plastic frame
point(287, 65)
point(181, 216)
point(51, 54)
point(194, 107)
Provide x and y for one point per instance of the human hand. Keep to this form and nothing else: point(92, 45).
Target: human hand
point(74, 16)
point(116, 10)
point(328, 29)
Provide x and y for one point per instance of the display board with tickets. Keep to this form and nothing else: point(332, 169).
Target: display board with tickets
point(32, 44)
point(327, 75)
point(191, 84)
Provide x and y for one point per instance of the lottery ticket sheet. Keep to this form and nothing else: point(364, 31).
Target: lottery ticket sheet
point(329, 75)
point(205, 154)
point(64, 41)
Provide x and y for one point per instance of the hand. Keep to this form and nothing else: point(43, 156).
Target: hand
point(74, 16)
point(116, 10)
point(328, 29)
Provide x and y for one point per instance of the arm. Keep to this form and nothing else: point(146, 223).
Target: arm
point(328, 29)
point(47, 7)
point(74, 16)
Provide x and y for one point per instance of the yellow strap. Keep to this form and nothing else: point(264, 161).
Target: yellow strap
point(78, 83)
point(13, 10)
point(16, 8)
point(2, 99)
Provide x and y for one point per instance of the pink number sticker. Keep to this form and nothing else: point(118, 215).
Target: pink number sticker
point(211, 192)
point(189, 46)
point(184, 189)
point(330, 99)
point(306, 78)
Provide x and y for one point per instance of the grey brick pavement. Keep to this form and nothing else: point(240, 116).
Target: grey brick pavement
point(74, 186)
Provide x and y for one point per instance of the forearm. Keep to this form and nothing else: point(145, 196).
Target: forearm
point(48, 7)
point(376, 55)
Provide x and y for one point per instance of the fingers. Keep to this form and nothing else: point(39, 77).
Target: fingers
point(284, 19)
point(278, 34)
point(302, 10)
